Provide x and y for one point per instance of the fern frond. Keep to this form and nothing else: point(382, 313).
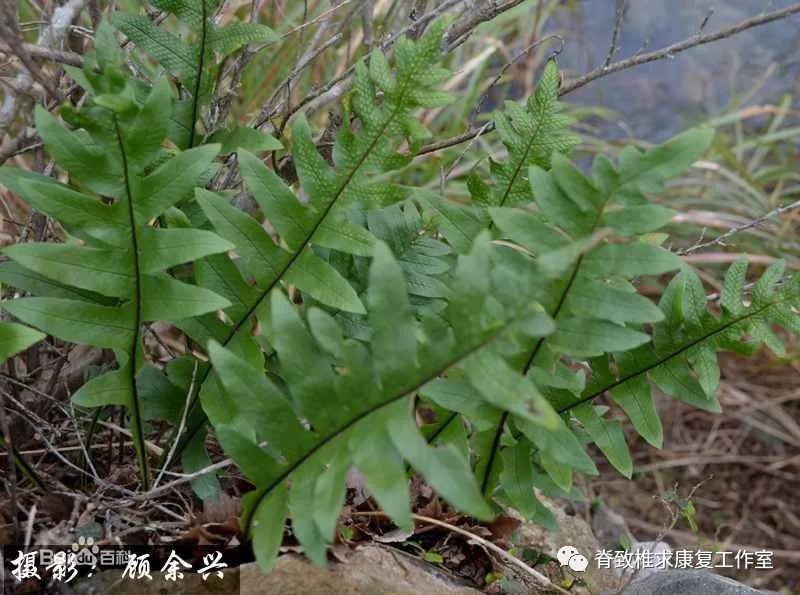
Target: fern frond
point(121, 258)
point(194, 63)
point(354, 400)
point(321, 222)
point(595, 306)
point(426, 261)
point(15, 338)
point(532, 134)
point(682, 359)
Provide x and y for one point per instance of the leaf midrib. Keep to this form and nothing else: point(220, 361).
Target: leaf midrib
point(673, 354)
point(136, 416)
point(495, 448)
point(199, 78)
point(522, 161)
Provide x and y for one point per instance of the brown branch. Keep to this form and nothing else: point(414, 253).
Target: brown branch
point(51, 36)
point(481, 13)
point(681, 46)
point(720, 241)
point(37, 51)
point(472, 537)
point(340, 85)
point(615, 35)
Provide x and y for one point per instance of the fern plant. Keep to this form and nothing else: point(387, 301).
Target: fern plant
point(113, 256)
point(347, 403)
point(531, 134)
point(319, 323)
point(596, 308)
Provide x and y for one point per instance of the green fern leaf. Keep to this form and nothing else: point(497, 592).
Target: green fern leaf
point(15, 338)
point(194, 63)
point(332, 191)
point(123, 258)
point(355, 400)
point(532, 135)
point(595, 307)
point(681, 362)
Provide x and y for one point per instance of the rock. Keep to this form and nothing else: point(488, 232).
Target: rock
point(369, 570)
point(610, 527)
point(574, 531)
point(684, 582)
point(660, 550)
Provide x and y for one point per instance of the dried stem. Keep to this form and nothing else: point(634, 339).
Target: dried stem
point(720, 241)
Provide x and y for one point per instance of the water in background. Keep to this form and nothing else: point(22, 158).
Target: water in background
point(659, 99)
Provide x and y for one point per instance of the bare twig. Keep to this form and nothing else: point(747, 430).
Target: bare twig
point(418, 9)
point(457, 140)
point(154, 449)
point(344, 82)
point(185, 478)
point(51, 36)
point(318, 18)
point(367, 10)
point(37, 51)
point(681, 46)
point(9, 29)
point(622, 6)
point(181, 427)
point(720, 240)
point(513, 61)
point(480, 13)
point(449, 172)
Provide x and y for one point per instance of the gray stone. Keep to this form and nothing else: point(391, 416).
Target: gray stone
point(575, 532)
point(688, 582)
point(609, 527)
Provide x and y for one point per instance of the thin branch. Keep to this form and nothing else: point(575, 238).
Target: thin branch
point(344, 82)
point(181, 427)
point(37, 51)
point(681, 46)
point(51, 36)
point(511, 62)
point(622, 7)
point(460, 31)
point(185, 478)
point(720, 241)
point(456, 140)
point(318, 18)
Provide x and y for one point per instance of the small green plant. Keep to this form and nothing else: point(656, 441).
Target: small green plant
point(315, 341)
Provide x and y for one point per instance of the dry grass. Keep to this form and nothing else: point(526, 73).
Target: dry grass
point(745, 464)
